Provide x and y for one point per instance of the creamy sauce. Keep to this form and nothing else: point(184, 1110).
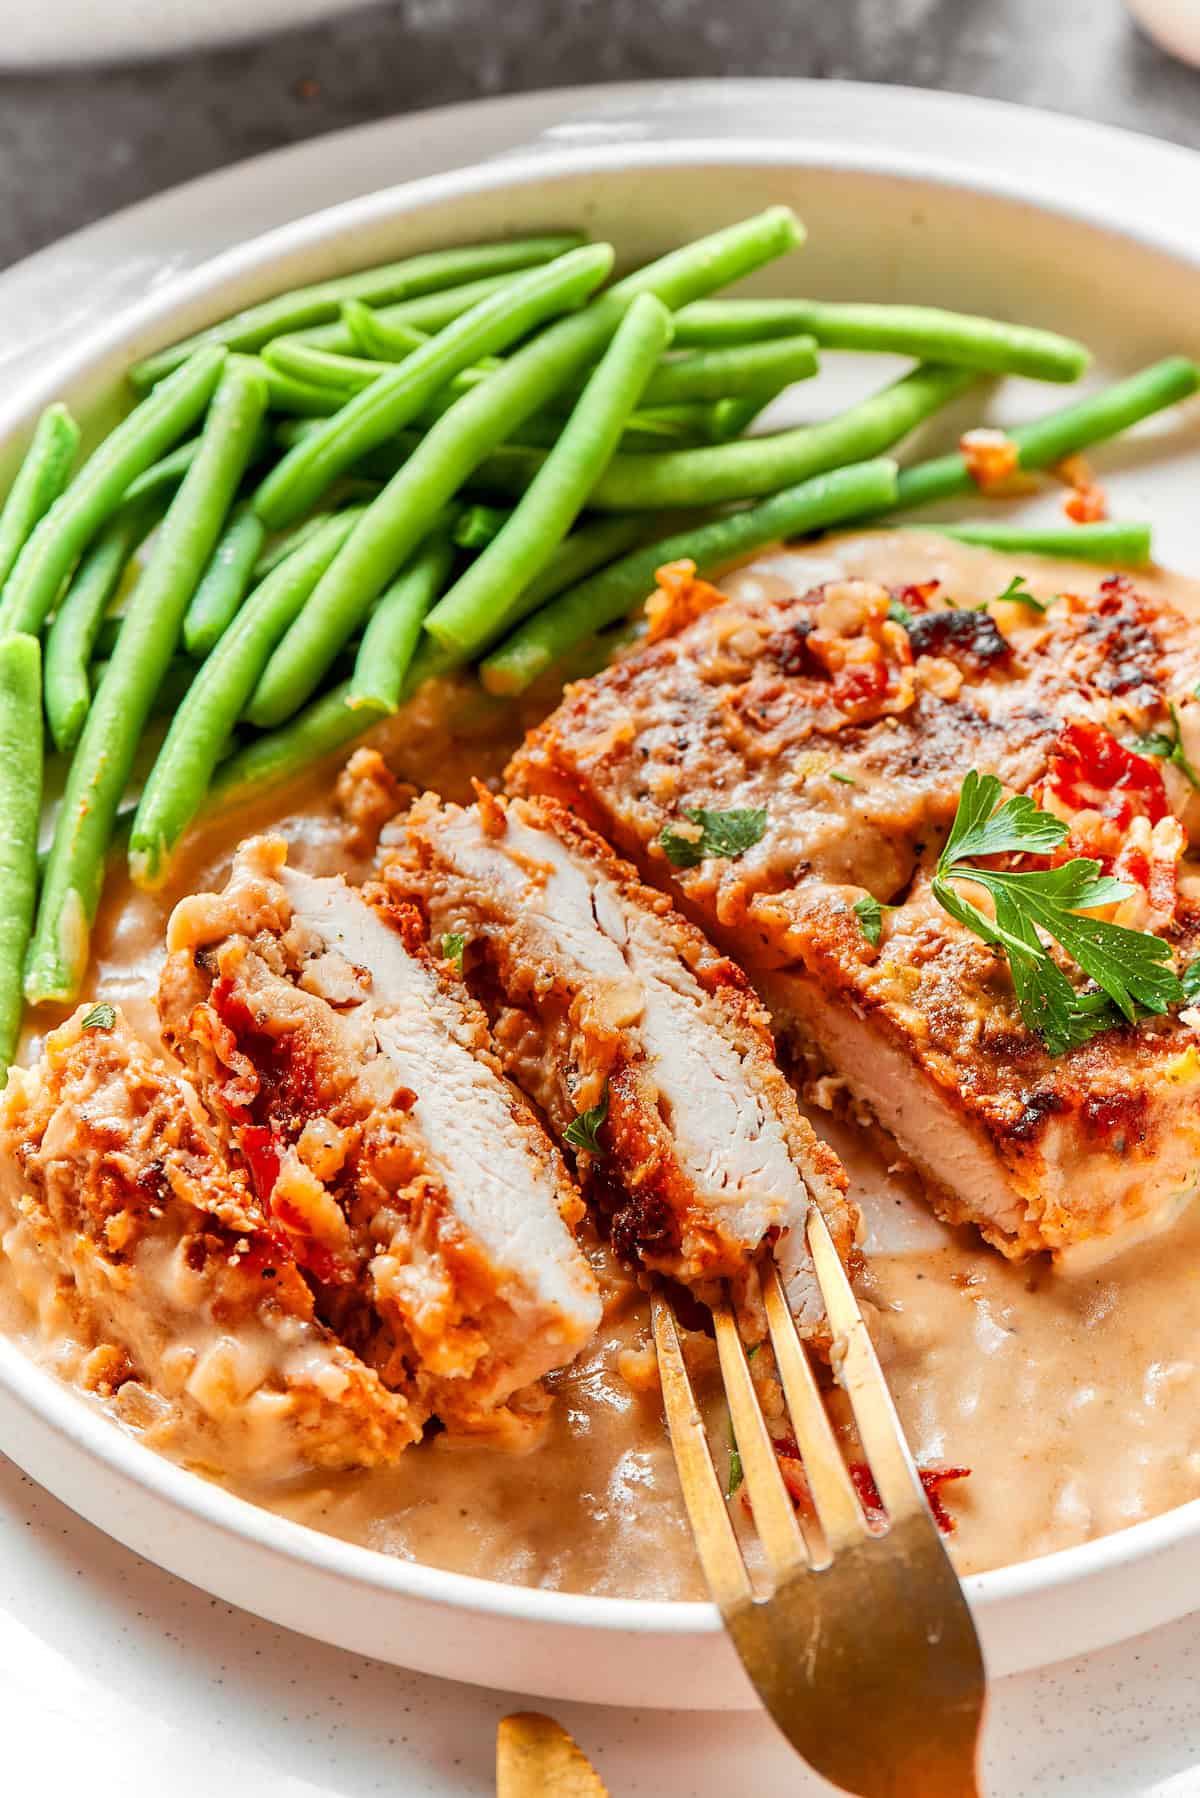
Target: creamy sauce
point(1073, 1399)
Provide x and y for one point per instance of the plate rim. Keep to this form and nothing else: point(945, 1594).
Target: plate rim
point(39, 1391)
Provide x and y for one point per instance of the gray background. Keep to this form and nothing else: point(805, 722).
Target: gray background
point(75, 145)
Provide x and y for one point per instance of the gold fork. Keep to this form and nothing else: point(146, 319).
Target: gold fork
point(863, 1651)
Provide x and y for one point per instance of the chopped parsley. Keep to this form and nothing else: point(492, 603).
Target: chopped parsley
point(736, 1474)
point(100, 1017)
point(1168, 749)
point(453, 944)
point(869, 913)
point(899, 613)
point(844, 780)
point(1019, 595)
point(1131, 968)
point(723, 835)
point(582, 1132)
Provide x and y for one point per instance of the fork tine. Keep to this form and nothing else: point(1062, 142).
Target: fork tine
point(774, 1513)
point(861, 1377)
point(716, 1544)
point(832, 1489)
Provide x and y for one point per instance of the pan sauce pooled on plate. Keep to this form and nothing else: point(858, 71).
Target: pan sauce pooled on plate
point(977, 1351)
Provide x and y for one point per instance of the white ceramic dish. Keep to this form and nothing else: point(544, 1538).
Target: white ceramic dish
point(1121, 273)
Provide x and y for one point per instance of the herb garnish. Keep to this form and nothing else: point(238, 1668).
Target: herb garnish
point(899, 613)
point(1018, 593)
point(100, 1017)
point(1167, 749)
point(453, 944)
point(736, 1474)
point(869, 913)
point(1131, 968)
point(1189, 979)
point(724, 835)
point(581, 1133)
point(843, 780)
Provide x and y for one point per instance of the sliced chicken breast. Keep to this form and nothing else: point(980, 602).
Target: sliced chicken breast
point(415, 1185)
point(128, 1219)
point(607, 1004)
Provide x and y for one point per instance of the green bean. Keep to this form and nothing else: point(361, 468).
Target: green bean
point(329, 723)
point(1123, 545)
point(21, 758)
point(486, 599)
point(44, 472)
point(94, 494)
point(606, 598)
point(224, 582)
point(172, 689)
point(428, 313)
point(479, 524)
point(594, 544)
point(394, 627)
point(303, 362)
point(370, 338)
point(78, 622)
point(989, 345)
point(448, 455)
point(721, 373)
point(299, 398)
point(733, 417)
point(755, 465)
point(291, 311)
point(182, 773)
point(287, 543)
point(164, 476)
point(1075, 427)
point(124, 698)
point(390, 402)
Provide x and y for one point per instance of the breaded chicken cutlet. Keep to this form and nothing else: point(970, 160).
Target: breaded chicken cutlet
point(834, 729)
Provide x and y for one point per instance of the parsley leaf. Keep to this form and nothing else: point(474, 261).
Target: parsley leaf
point(1131, 968)
point(869, 913)
point(899, 613)
point(453, 944)
point(100, 1017)
point(1168, 749)
point(1153, 743)
point(1019, 594)
point(581, 1133)
point(1189, 979)
point(724, 835)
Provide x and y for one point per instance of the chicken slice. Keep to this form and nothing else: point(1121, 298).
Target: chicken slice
point(415, 1184)
point(605, 1000)
point(161, 1257)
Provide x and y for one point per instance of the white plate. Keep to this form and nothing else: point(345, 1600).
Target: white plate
point(1064, 225)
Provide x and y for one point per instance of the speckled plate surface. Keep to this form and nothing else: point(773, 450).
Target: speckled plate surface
point(899, 139)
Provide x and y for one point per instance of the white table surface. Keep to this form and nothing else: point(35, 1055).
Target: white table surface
point(119, 1681)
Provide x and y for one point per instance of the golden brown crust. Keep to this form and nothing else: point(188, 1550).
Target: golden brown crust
point(569, 1035)
point(736, 712)
point(169, 1252)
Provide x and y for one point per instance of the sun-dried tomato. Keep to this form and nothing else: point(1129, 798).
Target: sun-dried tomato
point(260, 1147)
point(1090, 771)
point(932, 1480)
point(861, 684)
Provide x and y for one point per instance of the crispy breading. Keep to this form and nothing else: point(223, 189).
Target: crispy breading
point(167, 1253)
point(603, 996)
point(753, 706)
point(412, 1181)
